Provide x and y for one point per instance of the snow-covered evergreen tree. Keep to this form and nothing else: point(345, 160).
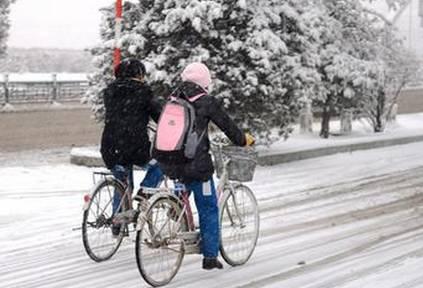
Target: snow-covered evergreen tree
point(261, 53)
point(267, 57)
point(4, 24)
point(103, 54)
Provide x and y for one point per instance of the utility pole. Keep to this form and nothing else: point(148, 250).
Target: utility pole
point(118, 29)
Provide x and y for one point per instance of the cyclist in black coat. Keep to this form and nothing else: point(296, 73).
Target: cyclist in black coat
point(129, 106)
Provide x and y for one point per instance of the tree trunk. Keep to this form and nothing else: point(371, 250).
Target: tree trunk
point(392, 115)
point(306, 119)
point(346, 121)
point(327, 108)
point(380, 109)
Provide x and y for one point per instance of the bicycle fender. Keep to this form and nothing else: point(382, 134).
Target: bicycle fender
point(152, 200)
point(156, 196)
point(228, 189)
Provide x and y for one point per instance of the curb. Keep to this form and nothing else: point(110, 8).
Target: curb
point(279, 158)
point(25, 108)
point(91, 157)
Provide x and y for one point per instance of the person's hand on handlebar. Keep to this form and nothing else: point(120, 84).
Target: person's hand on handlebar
point(249, 140)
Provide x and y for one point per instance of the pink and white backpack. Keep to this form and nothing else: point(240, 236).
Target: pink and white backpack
point(176, 139)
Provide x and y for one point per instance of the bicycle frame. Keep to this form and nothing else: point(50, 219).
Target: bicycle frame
point(166, 230)
point(224, 187)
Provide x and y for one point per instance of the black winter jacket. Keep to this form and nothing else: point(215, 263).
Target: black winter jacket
point(207, 108)
point(129, 105)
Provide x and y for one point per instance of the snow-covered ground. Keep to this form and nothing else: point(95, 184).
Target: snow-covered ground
point(347, 220)
point(406, 125)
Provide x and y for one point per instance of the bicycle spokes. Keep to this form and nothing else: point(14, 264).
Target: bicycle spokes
point(98, 232)
point(158, 249)
point(239, 225)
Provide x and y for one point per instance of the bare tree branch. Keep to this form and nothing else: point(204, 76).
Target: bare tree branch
point(379, 15)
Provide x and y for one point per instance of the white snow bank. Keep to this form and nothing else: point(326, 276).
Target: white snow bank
point(406, 125)
point(86, 151)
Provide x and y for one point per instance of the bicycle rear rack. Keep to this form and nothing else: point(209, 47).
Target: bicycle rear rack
point(101, 174)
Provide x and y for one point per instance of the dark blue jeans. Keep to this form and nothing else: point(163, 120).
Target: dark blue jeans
point(125, 174)
point(208, 212)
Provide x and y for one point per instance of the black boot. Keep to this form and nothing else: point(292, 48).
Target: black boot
point(142, 195)
point(211, 263)
point(115, 230)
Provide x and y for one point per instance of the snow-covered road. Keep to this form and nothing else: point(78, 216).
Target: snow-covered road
point(348, 220)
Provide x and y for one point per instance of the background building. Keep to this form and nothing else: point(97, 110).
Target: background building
point(409, 22)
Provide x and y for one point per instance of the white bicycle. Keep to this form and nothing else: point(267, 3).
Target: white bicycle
point(166, 231)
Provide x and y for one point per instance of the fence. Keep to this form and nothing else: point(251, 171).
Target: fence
point(41, 91)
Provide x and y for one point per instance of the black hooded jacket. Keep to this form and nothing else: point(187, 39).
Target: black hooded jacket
point(129, 105)
point(207, 108)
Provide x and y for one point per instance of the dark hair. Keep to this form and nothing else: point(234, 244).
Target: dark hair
point(130, 68)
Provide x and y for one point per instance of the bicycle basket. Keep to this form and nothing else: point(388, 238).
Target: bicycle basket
point(242, 165)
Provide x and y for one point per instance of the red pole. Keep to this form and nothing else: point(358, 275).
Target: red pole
point(118, 29)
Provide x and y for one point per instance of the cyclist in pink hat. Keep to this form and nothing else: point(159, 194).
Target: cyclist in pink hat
point(197, 175)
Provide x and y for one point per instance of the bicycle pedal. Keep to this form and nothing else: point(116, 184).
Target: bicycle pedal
point(192, 249)
point(125, 217)
point(190, 236)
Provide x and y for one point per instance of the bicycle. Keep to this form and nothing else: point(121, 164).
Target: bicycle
point(98, 217)
point(166, 231)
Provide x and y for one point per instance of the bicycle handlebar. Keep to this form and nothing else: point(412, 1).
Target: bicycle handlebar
point(222, 142)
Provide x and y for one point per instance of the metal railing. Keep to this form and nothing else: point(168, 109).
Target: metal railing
point(31, 92)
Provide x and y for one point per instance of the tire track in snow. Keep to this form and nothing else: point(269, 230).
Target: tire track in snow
point(377, 260)
point(331, 260)
point(415, 283)
point(307, 228)
point(342, 189)
point(60, 262)
point(307, 247)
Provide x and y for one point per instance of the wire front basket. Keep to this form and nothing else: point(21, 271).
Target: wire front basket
point(242, 165)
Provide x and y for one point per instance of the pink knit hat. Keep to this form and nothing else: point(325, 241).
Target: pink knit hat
point(197, 73)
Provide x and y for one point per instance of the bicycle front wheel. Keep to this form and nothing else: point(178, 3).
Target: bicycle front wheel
point(159, 251)
point(239, 220)
point(99, 242)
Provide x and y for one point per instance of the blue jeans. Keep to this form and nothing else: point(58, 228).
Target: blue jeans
point(152, 178)
point(208, 212)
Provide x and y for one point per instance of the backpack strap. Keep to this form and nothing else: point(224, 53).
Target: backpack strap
point(190, 88)
point(191, 108)
point(178, 96)
point(194, 98)
point(202, 134)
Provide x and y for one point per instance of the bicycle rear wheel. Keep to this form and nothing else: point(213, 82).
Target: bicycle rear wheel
point(239, 220)
point(159, 251)
point(99, 242)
